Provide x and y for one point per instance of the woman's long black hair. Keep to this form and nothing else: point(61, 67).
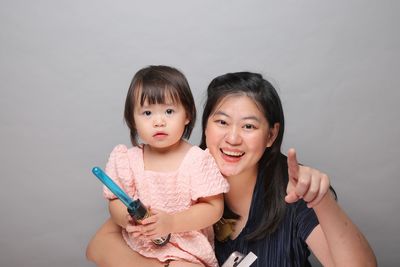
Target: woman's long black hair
point(273, 164)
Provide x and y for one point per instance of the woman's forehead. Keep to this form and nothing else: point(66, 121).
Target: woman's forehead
point(238, 104)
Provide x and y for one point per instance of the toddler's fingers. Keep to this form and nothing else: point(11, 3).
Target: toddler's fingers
point(136, 234)
point(154, 211)
point(129, 219)
point(149, 220)
point(148, 229)
point(130, 228)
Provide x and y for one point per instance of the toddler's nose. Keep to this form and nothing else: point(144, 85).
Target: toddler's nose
point(159, 121)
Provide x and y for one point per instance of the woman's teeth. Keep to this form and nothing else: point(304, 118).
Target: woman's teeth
point(232, 153)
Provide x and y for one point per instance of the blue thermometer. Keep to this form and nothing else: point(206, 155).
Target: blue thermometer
point(135, 207)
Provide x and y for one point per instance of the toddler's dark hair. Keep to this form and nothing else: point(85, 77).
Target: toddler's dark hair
point(156, 84)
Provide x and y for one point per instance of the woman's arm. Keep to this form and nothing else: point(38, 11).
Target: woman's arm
point(201, 215)
point(108, 249)
point(337, 241)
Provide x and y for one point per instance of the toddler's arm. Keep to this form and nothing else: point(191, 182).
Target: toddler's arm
point(206, 212)
point(119, 213)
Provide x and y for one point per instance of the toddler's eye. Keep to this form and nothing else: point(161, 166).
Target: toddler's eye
point(147, 113)
point(169, 111)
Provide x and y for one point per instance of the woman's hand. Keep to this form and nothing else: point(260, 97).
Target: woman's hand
point(305, 183)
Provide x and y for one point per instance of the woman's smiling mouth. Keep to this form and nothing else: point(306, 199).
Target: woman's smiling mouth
point(235, 154)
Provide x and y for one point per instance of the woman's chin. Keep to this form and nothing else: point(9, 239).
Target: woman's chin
point(228, 171)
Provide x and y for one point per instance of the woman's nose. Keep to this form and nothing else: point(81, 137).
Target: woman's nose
point(233, 136)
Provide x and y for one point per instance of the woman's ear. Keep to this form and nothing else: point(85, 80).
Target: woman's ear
point(272, 134)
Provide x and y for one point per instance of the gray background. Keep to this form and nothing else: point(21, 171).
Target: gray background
point(66, 66)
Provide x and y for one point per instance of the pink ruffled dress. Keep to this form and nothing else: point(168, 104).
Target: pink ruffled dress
point(197, 176)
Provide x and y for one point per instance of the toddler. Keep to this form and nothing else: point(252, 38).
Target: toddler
point(180, 183)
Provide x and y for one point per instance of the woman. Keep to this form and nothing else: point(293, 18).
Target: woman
point(243, 127)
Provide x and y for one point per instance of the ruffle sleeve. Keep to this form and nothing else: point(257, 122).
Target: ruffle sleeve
point(119, 171)
point(206, 179)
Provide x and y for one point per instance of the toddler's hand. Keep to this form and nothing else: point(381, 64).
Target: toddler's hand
point(305, 182)
point(135, 229)
point(159, 224)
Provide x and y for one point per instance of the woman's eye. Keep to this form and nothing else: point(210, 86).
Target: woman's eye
point(169, 111)
point(147, 113)
point(249, 126)
point(221, 122)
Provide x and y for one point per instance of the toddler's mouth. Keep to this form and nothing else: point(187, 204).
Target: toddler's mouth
point(159, 134)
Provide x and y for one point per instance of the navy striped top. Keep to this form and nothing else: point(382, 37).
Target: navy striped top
point(285, 247)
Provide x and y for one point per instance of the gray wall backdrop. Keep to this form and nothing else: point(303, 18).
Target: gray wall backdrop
point(66, 65)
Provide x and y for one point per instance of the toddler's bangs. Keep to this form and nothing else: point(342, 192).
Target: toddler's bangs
point(156, 94)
